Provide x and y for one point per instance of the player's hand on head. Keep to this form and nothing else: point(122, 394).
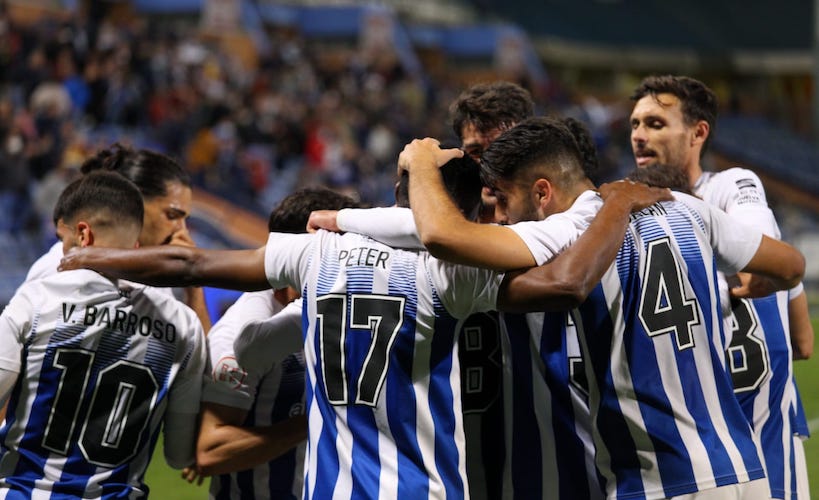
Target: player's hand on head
point(636, 194)
point(425, 152)
point(323, 219)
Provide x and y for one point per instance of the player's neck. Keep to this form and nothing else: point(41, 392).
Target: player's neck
point(694, 173)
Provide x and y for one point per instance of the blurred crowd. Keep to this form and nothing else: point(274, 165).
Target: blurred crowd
point(249, 133)
point(69, 88)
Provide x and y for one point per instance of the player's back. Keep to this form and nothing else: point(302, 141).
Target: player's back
point(100, 364)
point(550, 451)
point(384, 382)
point(652, 341)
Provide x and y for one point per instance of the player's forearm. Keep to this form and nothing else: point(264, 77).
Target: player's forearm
point(172, 265)
point(437, 218)
point(801, 328)
point(167, 265)
point(448, 236)
point(233, 448)
point(566, 281)
point(783, 264)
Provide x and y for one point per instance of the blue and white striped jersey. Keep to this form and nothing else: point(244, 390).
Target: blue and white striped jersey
point(99, 365)
point(270, 391)
point(759, 355)
point(665, 419)
point(549, 440)
point(535, 420)
point(384, 385)
point(480, 356)
point(549, 437)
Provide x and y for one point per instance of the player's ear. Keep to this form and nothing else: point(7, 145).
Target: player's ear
point(542, 192)
point(85, 235)
point(701, 131)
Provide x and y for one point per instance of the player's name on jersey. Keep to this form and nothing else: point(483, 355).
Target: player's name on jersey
point(653, 210)
point(364, 256)
point(125, 322)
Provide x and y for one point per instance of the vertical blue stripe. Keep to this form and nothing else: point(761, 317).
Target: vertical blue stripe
point(569, 449)
point(527, 462)
point(775, 425)
point(442, 404)
point(596, 337)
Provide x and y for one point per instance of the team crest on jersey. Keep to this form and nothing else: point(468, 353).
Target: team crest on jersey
point(228, 372)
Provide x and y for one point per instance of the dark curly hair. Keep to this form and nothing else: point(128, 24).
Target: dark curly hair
point(150, 171)
point(489, 106)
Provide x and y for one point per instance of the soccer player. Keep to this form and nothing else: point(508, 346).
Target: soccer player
point(547, 448)
point(252, 425)
point(166, 190)
point(384, 391)
point(652, 322)
point(671, 123)
point(92, 366)
point(478, 116)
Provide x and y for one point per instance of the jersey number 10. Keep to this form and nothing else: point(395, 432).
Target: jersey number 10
point(120, 407)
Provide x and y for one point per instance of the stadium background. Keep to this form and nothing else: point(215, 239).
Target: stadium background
point(257, 97)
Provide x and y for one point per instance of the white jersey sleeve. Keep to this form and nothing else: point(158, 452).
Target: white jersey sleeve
point(393, 226)
point(229, 383)
point(739, 192)
point(464, 290)
point(263, 343)
point(734, 244)
point(286, 259)
point(547, 238)
point(47, 264)
point(15, 323)
point(186, 390)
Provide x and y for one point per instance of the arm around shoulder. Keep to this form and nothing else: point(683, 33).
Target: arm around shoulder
point(783, 264)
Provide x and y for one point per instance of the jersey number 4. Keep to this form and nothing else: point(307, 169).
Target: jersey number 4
point(120, 407)
point(380, 317)
point(664, 307)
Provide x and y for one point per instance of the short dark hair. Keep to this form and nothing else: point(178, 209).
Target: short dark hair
point(462, 181)
point(698, 102)
point(292, 213)
point(488, 106)
point(588, 151)
point(59, 207)
point(149, 170)
point(537, 146)
point(663, 176)
point(109, 198)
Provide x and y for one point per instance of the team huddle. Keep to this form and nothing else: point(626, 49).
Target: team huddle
point(509, 329)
